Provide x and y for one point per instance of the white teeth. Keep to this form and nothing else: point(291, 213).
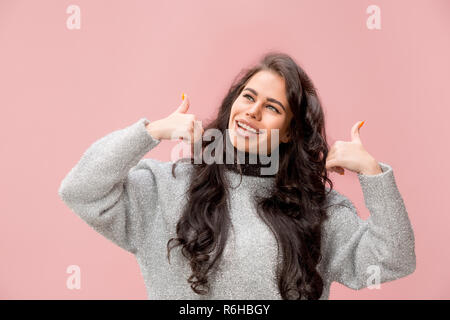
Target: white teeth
point(247, 127)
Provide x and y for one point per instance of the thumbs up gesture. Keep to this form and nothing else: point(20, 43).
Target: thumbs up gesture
point(352, 156)
point(178, 125)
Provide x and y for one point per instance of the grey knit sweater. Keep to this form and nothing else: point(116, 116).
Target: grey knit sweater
point(136, 203)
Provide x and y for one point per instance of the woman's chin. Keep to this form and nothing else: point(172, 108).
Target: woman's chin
point(244, 144)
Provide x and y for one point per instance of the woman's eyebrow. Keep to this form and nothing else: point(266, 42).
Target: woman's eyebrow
point(268, 99)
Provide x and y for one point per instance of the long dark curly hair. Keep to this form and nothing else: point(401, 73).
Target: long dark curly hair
point(294, 211)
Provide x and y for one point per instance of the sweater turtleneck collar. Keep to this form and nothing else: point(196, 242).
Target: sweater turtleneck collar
point(243, 166)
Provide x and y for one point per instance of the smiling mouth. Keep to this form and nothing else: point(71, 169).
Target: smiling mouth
point(247, 129)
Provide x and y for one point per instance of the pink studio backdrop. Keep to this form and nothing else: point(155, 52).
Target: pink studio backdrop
point(63, 89)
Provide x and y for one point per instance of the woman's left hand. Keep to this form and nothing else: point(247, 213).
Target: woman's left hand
point(352, 156)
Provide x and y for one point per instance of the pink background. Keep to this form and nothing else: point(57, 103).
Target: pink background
point(61, 90)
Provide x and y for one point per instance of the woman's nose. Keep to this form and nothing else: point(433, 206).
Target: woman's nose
point(255, 111)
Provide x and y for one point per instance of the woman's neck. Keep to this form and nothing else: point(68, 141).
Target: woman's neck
point(247, 164)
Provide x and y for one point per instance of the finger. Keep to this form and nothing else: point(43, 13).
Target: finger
point(331, 169)
point(331, 152)
point(184, 106)
point(179, 134)
point(187, 137)
point(334, 147)
point(334, 166)
point(355, 131)
point(339, 170)
point(331, 163)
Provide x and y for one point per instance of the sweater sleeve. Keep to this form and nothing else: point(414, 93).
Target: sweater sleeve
point(382, 246)
point(103, 186)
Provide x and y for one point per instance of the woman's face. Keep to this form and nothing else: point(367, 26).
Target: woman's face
point(263, 106)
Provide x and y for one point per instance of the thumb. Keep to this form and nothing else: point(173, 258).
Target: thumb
point(355, 131)
point(184, 106)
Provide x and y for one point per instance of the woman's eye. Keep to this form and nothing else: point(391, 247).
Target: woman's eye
point(269, 106)
point(274, 109)
point(249, 96)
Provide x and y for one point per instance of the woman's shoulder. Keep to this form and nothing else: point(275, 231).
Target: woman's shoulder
point(157, 190)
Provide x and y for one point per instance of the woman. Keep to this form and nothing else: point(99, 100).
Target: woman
point(225, 230)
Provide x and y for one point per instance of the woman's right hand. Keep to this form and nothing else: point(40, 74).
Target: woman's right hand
point(178, 125)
